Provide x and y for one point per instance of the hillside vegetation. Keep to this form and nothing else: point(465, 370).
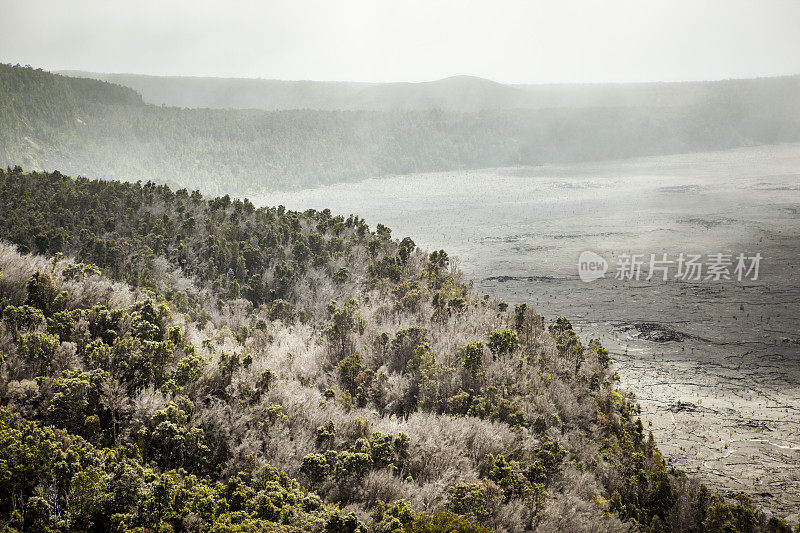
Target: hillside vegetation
point(83, 126)
point(172, 363)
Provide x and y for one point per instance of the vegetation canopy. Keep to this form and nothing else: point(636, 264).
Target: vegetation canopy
point(176, 363)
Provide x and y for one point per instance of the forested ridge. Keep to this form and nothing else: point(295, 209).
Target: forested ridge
point(177, 363)
point(89, 127)
point(456, 93)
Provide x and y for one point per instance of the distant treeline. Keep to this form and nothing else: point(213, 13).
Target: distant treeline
point(89, 127)
point(458, 93)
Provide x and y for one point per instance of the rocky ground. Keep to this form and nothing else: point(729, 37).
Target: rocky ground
point(734, 422)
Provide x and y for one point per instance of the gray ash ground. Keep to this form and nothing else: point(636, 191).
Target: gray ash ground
point(715, 365)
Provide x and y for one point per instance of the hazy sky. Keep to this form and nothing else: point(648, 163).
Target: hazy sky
point(408, 40)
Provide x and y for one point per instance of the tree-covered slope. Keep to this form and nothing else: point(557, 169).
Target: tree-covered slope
point(82, 126)
point(171, 363)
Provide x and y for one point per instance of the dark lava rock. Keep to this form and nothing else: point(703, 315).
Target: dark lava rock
point(658, 333)
point(681, 406)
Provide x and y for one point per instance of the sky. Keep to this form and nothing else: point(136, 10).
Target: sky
point(557, 41)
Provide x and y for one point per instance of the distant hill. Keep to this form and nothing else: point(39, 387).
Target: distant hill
point(458, 93)
point(99, 129)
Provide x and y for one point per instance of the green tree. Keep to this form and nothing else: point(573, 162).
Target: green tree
point(473, 358)
point(344, 321)
point(503, 342)
point(42, 291)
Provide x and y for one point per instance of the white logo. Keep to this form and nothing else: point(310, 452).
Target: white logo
point(591, 266)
